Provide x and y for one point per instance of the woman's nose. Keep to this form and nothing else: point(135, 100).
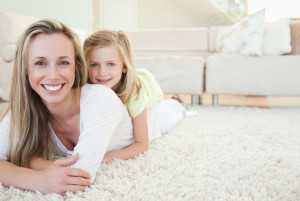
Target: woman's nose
point(53, 72)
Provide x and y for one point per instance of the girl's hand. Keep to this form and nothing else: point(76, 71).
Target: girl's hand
point(140, 131)
point(59, 178)
point(109, 157)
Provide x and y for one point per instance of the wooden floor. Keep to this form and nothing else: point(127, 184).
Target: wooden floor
point(250, 101)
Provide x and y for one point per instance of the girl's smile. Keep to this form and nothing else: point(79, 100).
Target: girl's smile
point(103, 81)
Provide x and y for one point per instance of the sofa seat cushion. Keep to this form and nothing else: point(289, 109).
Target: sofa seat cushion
point(244, 75)
point(183, 75)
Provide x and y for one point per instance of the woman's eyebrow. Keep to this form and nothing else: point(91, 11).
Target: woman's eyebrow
point(40, 57)
point(63, 57)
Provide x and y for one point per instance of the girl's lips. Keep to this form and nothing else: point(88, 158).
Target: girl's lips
point(103, 81)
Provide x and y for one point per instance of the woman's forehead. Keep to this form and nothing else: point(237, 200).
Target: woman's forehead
point(54, 44)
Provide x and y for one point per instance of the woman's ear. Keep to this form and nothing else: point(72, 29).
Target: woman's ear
point(124, 69)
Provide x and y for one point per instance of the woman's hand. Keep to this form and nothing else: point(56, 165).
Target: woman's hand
point(59, 178)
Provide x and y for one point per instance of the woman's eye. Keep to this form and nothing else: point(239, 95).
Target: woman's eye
point(63, 63)
point(39, 63)
point(111, 64)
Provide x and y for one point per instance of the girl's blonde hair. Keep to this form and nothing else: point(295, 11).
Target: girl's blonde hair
point(130, 83)
point(29, 129)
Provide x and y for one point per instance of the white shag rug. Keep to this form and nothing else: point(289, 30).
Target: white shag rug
point(225, 153)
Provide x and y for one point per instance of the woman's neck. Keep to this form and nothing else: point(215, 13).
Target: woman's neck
point(65, 110)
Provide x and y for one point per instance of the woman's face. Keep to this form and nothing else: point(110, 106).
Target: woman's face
point(51, 67)
point(106, 66)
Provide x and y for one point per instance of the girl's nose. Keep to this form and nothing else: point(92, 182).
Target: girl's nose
point(102, 71)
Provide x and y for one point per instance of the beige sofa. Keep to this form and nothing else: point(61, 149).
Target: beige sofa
point(249, 75)
point(164, 50)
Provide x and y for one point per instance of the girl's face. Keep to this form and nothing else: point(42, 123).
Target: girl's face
point(51, 67)
point(106, 66)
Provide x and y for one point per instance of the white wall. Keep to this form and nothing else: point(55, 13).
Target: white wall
point(92, 15)
point(117, 14)
point(156, 14)
point(178, 13)
point(74, 13)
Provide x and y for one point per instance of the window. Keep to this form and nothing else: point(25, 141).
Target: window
point(275, 9)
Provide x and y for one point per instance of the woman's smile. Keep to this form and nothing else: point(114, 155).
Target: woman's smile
point(53, 87)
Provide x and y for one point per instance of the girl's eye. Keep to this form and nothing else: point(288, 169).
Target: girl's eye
point(39, 63)
point(63, 63)
point(111, 64)
point(93, 65)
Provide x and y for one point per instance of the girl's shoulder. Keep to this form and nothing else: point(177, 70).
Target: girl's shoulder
point(144, 73)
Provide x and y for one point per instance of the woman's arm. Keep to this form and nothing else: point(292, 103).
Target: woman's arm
point(39, 163)
point(101, 115)
point(56, 178)
point(140, 131)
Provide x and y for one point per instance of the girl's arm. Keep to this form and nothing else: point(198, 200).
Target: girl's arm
point(56, 178)
point(140, 131)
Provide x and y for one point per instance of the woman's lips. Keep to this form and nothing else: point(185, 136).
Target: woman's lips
point(53, 88)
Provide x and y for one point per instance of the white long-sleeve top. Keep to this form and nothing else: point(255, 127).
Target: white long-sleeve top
point(105, 126)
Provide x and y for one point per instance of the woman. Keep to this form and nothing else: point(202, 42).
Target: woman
point(51, 110)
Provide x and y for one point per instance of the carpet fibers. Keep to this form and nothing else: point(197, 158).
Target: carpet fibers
point(225, 153)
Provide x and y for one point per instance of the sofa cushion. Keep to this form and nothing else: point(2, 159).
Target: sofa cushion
point(169, 39)
point(244, 75)
point(295, 37)
point(8, 52)
point(244, 37)
point(175, 74)
point(12, 25)
point(277, 38)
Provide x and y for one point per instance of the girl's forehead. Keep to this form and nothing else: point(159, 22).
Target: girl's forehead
point(112, 51)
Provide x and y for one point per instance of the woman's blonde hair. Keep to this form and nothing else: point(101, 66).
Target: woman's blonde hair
point(29, 129)
point(130, 82)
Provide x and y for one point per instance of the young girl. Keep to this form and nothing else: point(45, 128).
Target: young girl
point(110, 63)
